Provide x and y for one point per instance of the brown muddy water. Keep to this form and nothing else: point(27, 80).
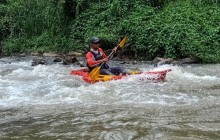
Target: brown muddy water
point(46, 102)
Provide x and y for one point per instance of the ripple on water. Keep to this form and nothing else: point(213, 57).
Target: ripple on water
point(49, 103)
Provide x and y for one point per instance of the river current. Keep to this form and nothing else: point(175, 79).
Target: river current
point(46, 102)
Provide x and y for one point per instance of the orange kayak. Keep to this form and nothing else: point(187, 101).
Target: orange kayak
point(151, 75)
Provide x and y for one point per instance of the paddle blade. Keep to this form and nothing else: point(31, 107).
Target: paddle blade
point(121, 44)
point(94, 74)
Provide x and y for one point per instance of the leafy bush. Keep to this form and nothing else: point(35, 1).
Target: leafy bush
point(165, 28)
point(26, 21)
point(181, 29)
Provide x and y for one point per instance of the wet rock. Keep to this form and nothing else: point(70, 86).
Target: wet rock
point(35, 54)
point(175, 62)
point(124, 62)
point(65, 60)
point(161, 61)
point(188, 61)
point(22, 54)
point(57, 60)
point(51, 55)
point(36, 62)
point(70, 60)
point(78, 54)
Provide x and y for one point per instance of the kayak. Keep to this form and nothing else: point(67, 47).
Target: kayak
point(150, 75)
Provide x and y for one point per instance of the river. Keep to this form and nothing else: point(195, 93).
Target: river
point(46, 102)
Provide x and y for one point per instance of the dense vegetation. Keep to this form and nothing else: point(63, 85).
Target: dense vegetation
point(164, 28)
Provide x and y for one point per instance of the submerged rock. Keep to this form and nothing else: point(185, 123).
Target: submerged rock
point(6, 72)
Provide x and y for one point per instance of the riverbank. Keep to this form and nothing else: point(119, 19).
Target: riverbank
point(79, 59)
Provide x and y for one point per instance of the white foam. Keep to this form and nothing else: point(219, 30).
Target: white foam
point(53, 84)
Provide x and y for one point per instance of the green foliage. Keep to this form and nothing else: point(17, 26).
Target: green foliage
point(165, 28)
point(34, 17)
point(5, 21)
point(26, 22)
point(201, 31)
point(35, 44)
point(181, 29)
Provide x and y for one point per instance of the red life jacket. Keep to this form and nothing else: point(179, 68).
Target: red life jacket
point(97, 56)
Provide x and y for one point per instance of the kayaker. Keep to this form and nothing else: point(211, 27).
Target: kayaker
point(96, 56)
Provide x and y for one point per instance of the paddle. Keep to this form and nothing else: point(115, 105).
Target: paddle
point(94, 74)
